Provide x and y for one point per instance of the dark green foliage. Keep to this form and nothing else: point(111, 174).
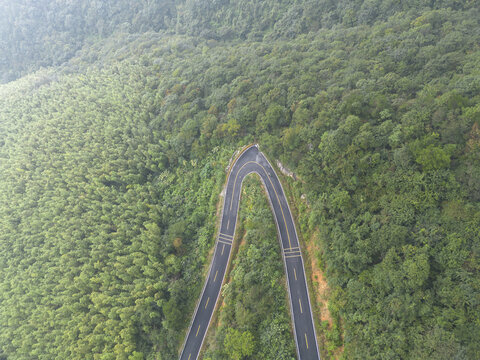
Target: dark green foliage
point(111, 165)
point(40, 33)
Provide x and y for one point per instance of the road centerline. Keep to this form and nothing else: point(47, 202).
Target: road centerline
point(253, 161)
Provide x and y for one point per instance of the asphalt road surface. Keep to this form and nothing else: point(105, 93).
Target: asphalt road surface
point(252, 160)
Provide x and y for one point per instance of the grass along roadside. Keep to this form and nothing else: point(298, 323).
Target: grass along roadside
point(328, 326)
point(254, 305)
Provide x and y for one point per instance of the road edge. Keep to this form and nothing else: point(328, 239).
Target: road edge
point(217, 230)
point(303, 267)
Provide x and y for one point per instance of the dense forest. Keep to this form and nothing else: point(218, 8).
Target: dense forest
point(40, 33)
point(117, 123)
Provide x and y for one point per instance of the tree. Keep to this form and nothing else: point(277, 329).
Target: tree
point(238, 344)
point(433, 158)
point(275, 116)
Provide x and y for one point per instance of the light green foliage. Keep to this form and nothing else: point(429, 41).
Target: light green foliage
point(238, 345)
point(254, 322)
point(111, 165)
point(433, 158)
point(89, 221)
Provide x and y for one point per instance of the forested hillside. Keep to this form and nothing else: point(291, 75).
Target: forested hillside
point(40, 33)
point(113, 157)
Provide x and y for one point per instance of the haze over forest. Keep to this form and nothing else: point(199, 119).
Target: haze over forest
point(118, 120)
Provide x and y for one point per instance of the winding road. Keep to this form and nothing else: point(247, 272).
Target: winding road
point(251, 160)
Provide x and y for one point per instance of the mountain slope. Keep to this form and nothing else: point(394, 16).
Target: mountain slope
point(111, 164)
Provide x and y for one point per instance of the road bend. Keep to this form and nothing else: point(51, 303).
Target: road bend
point(252, 160)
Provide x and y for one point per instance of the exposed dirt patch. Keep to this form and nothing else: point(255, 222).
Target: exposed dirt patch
point(322, 291)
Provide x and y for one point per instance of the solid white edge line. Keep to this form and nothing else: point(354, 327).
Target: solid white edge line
point(209, 272)
point(301, 260)
point(211, 264)
point(230, 252)
point(279, 237)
